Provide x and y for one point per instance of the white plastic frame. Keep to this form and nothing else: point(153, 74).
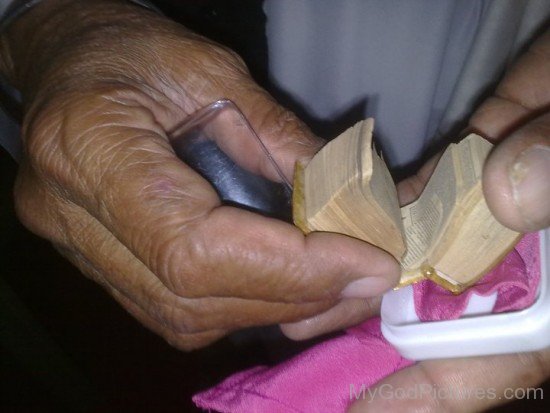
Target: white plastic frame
point(518, 331)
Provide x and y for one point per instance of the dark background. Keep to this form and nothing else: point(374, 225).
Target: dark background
point(65, 345)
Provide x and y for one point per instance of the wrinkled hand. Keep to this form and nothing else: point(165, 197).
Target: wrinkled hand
point(516, 183)
point(101, 181)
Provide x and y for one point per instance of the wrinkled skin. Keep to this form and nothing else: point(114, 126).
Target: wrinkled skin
point(100, 181)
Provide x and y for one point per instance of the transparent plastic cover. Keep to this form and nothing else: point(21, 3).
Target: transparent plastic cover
point(218, 142)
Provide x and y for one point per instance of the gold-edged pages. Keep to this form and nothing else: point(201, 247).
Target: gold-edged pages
point(447, 235)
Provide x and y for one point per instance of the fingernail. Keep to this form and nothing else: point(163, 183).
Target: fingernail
point(366, 287)
point(530, 178)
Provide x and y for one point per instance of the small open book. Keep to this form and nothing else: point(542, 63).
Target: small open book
point(447, 235)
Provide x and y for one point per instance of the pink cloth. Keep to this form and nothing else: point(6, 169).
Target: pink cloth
point(319, 380)
point(516, 279)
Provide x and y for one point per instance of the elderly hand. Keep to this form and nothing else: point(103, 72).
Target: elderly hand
point(516, 183)
point(103, 82)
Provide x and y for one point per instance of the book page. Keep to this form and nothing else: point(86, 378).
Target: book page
point(458, 171)
point(348, 190)
point(469, 157)
point(424, 218)
point(382, 189)
point(474, 240)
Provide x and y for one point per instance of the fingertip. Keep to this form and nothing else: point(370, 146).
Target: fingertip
point(346, 313)
point(498, 193)
point(516, 182)
point(297, 331)
point(530, 178)
point(368, 287)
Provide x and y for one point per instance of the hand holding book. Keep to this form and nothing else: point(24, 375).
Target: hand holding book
point(517, 120)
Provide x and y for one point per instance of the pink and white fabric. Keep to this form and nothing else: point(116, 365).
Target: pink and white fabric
point(319, 379)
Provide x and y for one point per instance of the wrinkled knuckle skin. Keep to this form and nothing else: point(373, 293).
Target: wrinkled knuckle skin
point(44, 141)
point(183, 315)
point(183, 263)
point(212, 72)
point(215, 55)
point(183, 320)
point(40, 129)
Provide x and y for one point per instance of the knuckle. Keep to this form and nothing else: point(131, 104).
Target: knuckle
point(184, 316)
point(112, 190)
point(75, 140)
point(183, 261)
point(52, 134)
point(41, 133)
point(214, 53)
point(180, 320)
point(213, 68)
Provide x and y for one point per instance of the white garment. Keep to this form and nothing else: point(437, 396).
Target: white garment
point(419, 67)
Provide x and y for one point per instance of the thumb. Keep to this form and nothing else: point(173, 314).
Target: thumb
point(516, 178)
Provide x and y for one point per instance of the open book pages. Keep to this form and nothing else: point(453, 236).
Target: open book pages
point(346, 188)
point(448, 234)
